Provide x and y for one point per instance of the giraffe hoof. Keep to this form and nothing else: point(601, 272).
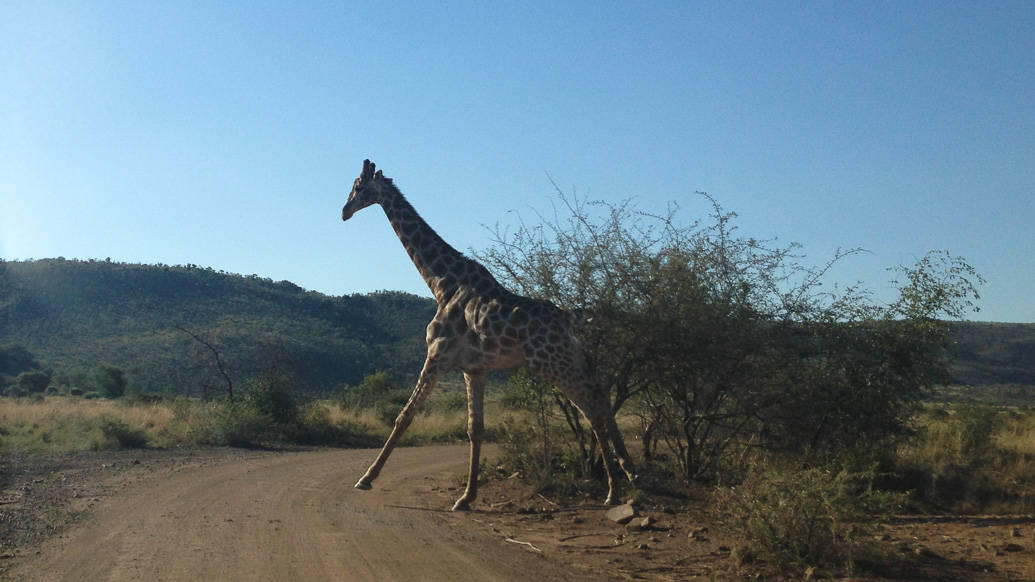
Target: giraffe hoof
point(363, 484)
point(462, 505)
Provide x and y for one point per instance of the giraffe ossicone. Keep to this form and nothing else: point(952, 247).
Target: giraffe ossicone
point(481, 326)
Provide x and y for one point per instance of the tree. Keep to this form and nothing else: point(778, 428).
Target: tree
point(723, 341)
point(15, 359)
point(216, 358)
point(32, 382)
point(111, 381)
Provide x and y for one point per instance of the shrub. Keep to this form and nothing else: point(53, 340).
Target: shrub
point(791, 520)
point(539, 455)
point(240, 425)
point(379, 392)
point(272, 395)
point(372, 389)
point(447, 401)
point(316, 427)
point(388, 408)
point(111, 381)
point(33, 381)
point(116, 434)
point(537, 448)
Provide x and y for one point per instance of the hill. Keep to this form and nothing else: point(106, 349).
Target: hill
point(74, 315)
point(994, 353)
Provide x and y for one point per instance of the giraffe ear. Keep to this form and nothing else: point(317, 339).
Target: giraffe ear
point(377, 175)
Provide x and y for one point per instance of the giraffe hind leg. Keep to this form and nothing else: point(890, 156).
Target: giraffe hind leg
point(624, 459)
point(601, 431)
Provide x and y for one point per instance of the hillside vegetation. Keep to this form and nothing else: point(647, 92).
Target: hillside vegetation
point(994, 353)
point(74, 316)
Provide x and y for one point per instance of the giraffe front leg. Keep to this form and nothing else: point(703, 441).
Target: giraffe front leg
point(475, 430)
point(428, 378)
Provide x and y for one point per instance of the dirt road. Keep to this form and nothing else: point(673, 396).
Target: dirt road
point(290, 516)
point(230, 514)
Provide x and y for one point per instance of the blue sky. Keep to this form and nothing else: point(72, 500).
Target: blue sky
point(228, 134)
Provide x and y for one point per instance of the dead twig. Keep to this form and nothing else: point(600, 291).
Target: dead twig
point(540, 495)
point(585, 535)
point(529, 544)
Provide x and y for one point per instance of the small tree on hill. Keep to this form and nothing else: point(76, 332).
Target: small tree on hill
point(32, 382)
point(111, 381)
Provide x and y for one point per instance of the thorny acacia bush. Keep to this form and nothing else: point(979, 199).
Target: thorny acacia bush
point(724, 344)
point(796, 519)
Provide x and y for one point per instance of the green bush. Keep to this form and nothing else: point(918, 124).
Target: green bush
point(240, 425)
point(267, 413)
point(272, 395)
point(372, 389)
point(316, 428)
point(33, 381)
point(791, 520)
point(379, 392)
point(116, 434)
point(449, 401)
point(388, 408)
point(111, 380)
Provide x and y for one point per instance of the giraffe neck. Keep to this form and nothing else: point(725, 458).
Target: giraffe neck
point(439, 264)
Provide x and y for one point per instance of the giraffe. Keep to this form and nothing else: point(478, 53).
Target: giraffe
point(481, 326)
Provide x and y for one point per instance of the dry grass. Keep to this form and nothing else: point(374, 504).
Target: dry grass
point(59, 423)
point(973, 459)
point(1018, 433)
point(70, 424)
point(440, 423)
point(970, 458)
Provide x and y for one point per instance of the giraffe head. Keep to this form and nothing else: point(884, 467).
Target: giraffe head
point(366, 190)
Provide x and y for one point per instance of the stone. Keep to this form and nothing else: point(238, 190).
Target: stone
point(621, 513)
point(698, 534)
